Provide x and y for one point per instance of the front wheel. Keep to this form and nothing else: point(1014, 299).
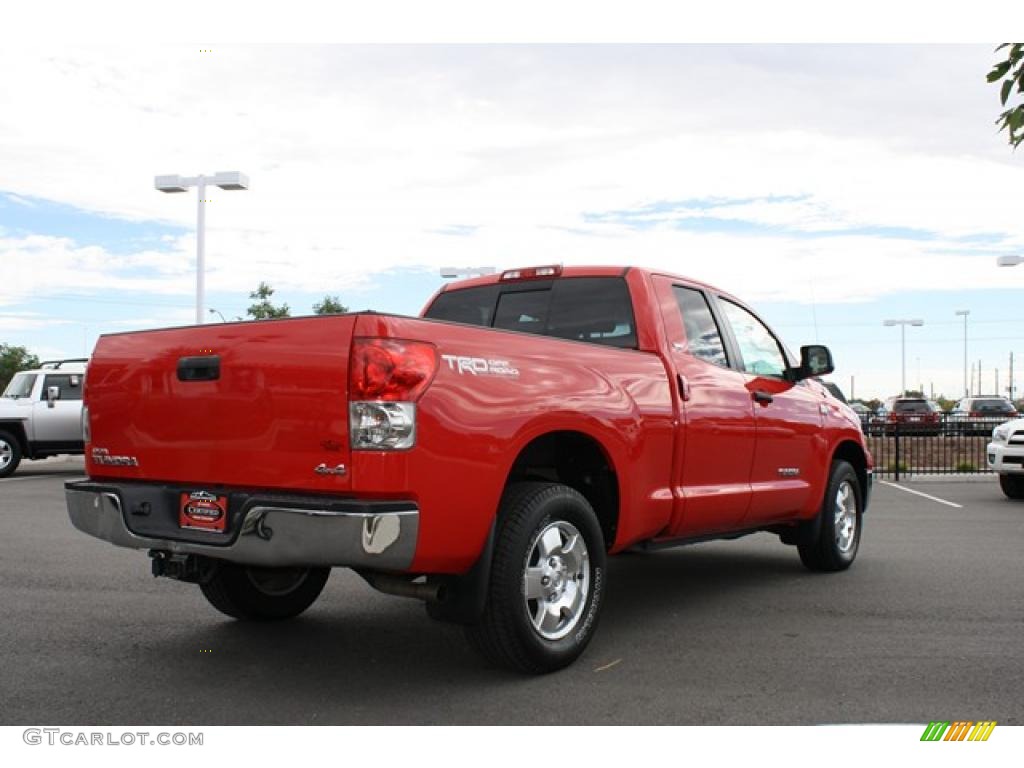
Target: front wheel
point(263, 594)
point(547, 580)
point(1012, 485)
point(10, 454)
point(839, 526)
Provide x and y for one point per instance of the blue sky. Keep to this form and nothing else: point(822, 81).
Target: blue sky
point(811, 190)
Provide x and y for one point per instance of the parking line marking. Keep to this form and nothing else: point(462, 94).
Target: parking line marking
point(925, 495)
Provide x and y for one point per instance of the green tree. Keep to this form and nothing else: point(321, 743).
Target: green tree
point(263, 308)
point(330, 305)
point(1010, 72)
point(12, 360)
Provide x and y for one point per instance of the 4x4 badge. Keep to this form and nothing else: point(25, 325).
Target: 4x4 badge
point(323, 469)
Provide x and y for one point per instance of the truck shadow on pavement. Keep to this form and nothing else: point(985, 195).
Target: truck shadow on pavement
point(358, 650)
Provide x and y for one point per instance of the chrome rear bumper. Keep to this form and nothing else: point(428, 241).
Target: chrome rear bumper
point(270, 535)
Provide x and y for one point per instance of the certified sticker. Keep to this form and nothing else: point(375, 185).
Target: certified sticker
point(203, 510)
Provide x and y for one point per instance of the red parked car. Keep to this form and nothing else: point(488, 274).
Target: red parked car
point(911, 416)
point(485, 458)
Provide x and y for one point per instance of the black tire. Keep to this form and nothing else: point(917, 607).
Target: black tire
point(1012, 485)
point(10, 454)
point(506, 634)
point(834, 548)
point(263, 594)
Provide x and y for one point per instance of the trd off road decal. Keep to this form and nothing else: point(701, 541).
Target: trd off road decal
point(479, 366)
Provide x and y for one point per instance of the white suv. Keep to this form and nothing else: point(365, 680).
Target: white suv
point(41, 413)
point(1006, 456)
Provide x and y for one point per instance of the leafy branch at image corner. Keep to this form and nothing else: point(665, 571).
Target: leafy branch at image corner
point(1010, 74)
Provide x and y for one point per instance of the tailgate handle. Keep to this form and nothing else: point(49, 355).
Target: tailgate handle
point(199, 368)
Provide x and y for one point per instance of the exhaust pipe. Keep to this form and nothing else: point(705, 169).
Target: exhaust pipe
point(402, 586)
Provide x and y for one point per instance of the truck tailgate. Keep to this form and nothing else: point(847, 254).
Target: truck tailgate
point(255, 404)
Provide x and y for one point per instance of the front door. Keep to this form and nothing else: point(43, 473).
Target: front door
point(788, 416)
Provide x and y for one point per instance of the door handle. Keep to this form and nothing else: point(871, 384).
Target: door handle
point(684, 387)
point(762, 397)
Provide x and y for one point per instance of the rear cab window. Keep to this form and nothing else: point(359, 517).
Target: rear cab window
point(597, 310)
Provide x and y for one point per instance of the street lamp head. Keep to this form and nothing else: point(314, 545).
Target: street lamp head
point(231, 180)
point(963, 312)
point(170, 183)
point(1009, 261)
point(915, 321)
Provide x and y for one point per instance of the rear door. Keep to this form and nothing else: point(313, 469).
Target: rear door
point(788, 417)
point(715, 439)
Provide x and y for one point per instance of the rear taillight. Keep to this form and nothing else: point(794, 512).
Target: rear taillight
point(974, 415)
point(86, 426)
point(390, 369)
point(386, 377)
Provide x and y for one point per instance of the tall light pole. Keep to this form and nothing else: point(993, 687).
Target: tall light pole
point(903, 347)
point(230, 180)
point(964, 313)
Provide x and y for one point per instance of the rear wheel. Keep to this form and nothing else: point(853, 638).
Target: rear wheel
point(10, 454)
point(1012, 485)
point(547, 580)
point(263, 594)
point(835, 545)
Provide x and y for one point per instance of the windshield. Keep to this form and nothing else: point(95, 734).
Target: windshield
point(21, 385)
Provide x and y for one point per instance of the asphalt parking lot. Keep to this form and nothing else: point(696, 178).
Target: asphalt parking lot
point(928, 624)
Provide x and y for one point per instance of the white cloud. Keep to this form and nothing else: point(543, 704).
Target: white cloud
point(363, 159)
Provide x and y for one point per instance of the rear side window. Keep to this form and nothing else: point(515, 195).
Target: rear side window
point(702, 337)
point(593, 309)
point(70, 385)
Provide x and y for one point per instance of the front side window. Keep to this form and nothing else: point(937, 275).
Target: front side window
point(761, 353)
point(21, 385)
point(703, 340)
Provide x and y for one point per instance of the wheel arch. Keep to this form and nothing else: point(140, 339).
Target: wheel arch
point(580, 461)
point(17, 429)
point(853, 454)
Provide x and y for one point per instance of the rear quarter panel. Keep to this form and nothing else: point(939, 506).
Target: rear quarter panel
point(472, 426)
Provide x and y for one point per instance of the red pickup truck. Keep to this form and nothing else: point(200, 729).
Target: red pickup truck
point(486, 457)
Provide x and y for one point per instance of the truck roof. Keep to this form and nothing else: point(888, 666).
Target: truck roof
point(578, 271)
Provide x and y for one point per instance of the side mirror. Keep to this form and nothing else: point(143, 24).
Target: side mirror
point(815, 360)
point(52, 396)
